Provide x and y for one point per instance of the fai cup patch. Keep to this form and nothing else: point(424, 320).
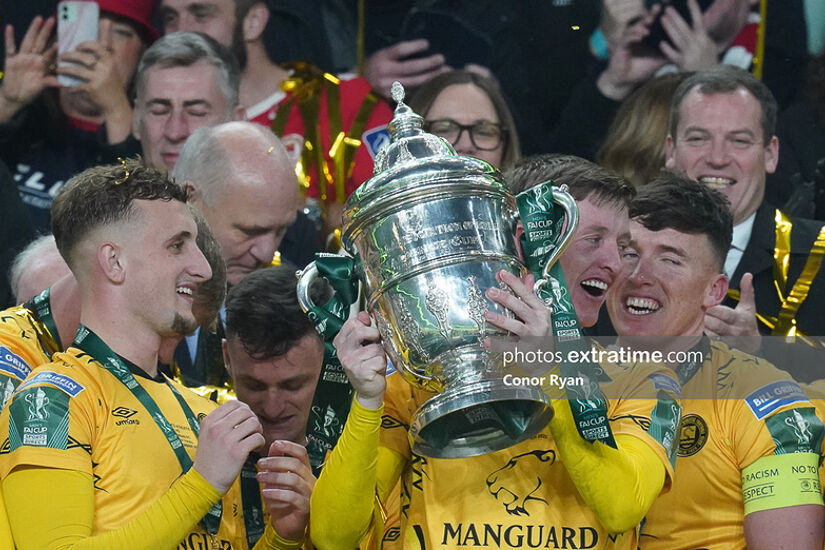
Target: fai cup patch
point(39, 417)
point(796, 431)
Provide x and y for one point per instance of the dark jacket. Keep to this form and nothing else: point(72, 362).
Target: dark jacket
point(758, 259)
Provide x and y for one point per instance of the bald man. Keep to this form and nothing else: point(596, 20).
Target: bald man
point(36, 268)
point(240, 178)
point(238, 175)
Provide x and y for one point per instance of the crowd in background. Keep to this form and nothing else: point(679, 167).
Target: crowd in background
point(265, 116)
point(571, 74)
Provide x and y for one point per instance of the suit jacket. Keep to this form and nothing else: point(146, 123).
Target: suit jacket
point(758, 260)
point(208, 368)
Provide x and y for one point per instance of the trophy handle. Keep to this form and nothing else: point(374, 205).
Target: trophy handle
point(571, 215)
point(541, 199)
point(305, 279)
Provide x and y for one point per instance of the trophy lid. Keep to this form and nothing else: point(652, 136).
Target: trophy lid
point(412, 163)
point(409, 140)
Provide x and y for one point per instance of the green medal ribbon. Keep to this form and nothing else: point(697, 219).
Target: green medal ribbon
point(686, 369)
point(542, 227)
point(333, 395)
point(41, 306)
point(91, 343)
point(253, 515)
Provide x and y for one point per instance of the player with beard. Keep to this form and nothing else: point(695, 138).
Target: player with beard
point(103, 451)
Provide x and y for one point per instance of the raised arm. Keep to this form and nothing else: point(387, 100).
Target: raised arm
point(348, 482)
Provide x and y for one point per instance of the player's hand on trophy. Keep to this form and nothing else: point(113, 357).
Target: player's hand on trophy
point(287, 486)
point(736, 326)
point(358, 345)
point(228, 434)
point(532, 317)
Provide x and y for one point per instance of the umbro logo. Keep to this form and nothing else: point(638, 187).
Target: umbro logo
point(123, 412)
point(392, 534)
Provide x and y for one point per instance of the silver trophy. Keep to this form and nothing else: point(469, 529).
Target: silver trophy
point(428, 233)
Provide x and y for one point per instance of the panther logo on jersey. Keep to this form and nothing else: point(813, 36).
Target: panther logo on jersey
point(503, 483)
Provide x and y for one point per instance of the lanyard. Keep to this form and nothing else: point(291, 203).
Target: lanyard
point(38, 311)
point(103, 354)
point(587, 402)
point(253, 516)
point(686, 369)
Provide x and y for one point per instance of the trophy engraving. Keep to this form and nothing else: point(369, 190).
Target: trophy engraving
point(412, 224)
point(410, 329)
point(438, 305)
point(476, 306)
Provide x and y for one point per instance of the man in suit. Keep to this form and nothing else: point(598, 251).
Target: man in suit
point(722, 134)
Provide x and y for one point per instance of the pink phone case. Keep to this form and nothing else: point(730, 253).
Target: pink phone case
point(77, 22)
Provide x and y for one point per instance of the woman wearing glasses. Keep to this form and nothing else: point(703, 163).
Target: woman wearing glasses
point(470, 112)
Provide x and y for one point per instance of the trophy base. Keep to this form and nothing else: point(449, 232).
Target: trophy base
point(478, 418)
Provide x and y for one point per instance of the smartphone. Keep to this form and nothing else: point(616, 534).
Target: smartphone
point(449, 36)
point(657, 31)
point(77, 22)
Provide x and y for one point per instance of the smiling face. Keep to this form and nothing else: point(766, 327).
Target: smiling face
point(591, 262)
point(174, 102)
point(669, 279)
point(719, 142)
point(164, 265)
point(278, 390)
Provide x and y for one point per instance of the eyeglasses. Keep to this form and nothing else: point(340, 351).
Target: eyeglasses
point(484, 135)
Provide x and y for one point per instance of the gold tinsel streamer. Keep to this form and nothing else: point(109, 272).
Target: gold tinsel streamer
point(759, 54)
point(308, 86)
point(781, 252)
point(47, 341)
point(784, 324)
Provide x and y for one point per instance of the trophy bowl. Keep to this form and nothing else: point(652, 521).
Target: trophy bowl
point(428, 233)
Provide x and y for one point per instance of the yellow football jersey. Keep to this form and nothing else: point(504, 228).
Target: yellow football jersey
point(522, 496)
point(736, 410)
point(74, 414)
point(21, 349)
